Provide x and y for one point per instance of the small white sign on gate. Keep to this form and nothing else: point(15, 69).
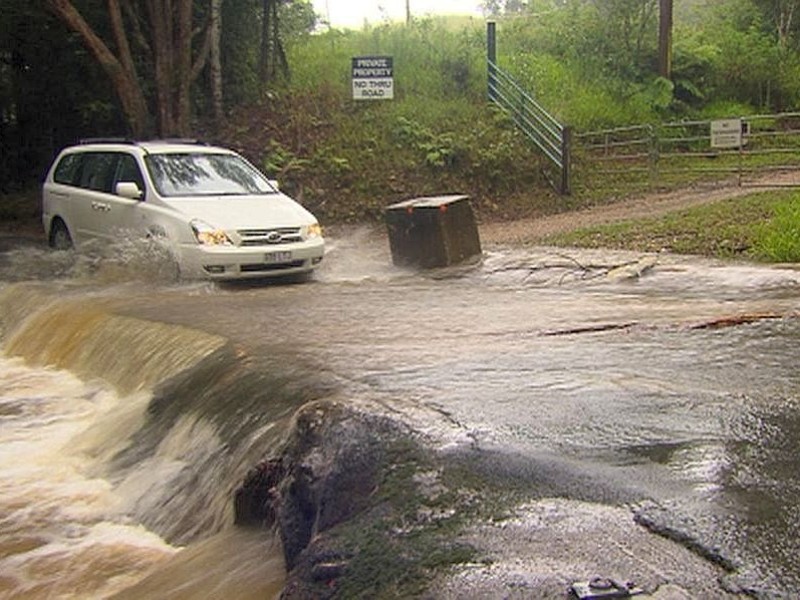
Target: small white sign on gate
point(726, 133)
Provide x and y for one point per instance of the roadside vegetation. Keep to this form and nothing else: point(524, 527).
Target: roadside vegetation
point(763, 227)
point(287, 105)
point(347, 160)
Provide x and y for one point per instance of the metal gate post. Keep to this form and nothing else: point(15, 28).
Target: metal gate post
point(741, 157)
point(653, 156)
point(491, 51)
point(566, 160)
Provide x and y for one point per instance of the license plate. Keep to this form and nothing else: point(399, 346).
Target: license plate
point(277, 257)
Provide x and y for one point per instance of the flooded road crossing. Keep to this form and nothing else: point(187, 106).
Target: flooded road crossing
point(670, 386)
point(677, 386)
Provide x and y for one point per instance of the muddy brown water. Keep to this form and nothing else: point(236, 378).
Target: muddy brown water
point(661, 380)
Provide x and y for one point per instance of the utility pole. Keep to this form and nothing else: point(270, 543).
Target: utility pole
point(665, 39)
point(408, 12)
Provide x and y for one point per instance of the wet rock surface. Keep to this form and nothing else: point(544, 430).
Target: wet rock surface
point(367, 506)
point(331, 466)
point(546, 546)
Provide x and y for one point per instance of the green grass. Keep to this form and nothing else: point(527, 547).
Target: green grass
point(763, 226)
point(778, 239)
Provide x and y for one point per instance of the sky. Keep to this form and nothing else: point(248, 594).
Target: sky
point(352, 13)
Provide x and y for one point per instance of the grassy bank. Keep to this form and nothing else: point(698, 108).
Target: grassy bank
point(763, 227)
point(347, 160)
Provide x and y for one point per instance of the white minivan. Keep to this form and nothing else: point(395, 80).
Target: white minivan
point(221, 217)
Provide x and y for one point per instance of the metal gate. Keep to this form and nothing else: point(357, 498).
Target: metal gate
point(664, 155)
point(540, 127)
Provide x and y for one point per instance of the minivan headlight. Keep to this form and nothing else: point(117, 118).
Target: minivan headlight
point(313, 231)
point(208, 235)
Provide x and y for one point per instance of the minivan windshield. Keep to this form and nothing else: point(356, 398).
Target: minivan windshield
point(204, 174)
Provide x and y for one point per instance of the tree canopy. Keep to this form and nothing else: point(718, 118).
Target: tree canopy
point(154, 51)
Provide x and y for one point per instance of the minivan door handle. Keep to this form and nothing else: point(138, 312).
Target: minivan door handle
point(101, 206)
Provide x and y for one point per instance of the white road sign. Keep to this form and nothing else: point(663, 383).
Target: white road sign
point(373, 78)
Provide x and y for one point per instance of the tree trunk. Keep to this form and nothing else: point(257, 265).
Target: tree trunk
point(120, 70)
point(183, 68)
point(665, 39)
point(171, 31)
point(280, 61)
point(784, 21)
point(264, 55)
point(215, 26)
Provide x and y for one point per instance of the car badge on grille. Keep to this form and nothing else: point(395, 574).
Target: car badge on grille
point(273, 237)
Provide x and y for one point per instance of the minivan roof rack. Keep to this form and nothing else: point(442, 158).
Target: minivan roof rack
point(124, 140)
point(182, 141)
point(106, 140)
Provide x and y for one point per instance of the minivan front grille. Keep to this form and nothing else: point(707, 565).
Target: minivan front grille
point(266, 267)
point(268, 237)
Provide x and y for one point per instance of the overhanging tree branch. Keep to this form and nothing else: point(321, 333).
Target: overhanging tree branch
point(118, 29)
point(202, 56)
point(135, 20)
point(122, 76)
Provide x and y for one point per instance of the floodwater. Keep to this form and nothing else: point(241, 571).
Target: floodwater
point(133, 405)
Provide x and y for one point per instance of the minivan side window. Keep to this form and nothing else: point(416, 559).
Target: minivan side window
point(67, 169)
point(128, 170)
point(98, 171)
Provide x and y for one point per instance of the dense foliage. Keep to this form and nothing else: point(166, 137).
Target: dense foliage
point(594, 61)
point(56, 88)
point(50, 92)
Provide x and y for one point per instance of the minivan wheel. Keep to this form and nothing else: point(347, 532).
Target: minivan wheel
point(60, 238)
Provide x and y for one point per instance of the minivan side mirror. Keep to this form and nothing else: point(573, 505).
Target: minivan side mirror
point(128, 189)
